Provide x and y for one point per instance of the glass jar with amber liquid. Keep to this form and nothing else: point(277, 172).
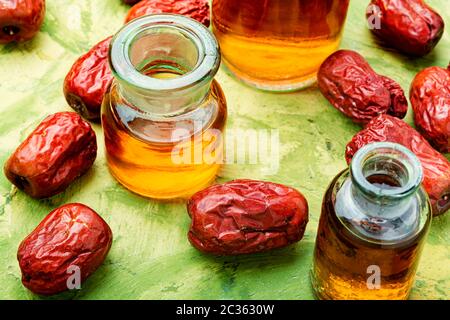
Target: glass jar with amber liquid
point(278, 45)
point(374, 223)
point(164, 114)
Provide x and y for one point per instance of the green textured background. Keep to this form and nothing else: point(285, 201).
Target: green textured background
point(151, 257)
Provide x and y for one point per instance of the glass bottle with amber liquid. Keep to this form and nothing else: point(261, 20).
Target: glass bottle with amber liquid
point(278, 45)
point(164, 114)
point(374, 222)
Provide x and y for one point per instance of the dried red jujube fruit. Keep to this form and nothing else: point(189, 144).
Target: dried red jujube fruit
point(410, 26)
point(436, 168)
point(246, 216)
point(195, 9)
point(430, 99)
point(87, 81)
point(352, 86)
point(20, 20)
point(72, 235)
point(59, 150)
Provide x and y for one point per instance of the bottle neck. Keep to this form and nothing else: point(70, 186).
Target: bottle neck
point(384, 178)
point(164, 64)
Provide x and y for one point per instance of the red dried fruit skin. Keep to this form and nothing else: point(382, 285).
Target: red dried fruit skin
point(20, 20)
point(195, 9)
point(410, 26)
point(87, 81)
point(352, 86)
point(59, 150)
point(72, 235)
point(430, 99)
point(436, 168)
point(246, 216)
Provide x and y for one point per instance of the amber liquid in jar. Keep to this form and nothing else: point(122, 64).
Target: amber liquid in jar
point(278, 45)
point(139, 151)
point(165, 142)
point(368, 256)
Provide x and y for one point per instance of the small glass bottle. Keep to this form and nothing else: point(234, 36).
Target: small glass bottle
point(374, 222)
point(164, 114)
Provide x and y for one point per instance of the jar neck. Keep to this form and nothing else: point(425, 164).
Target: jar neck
point(384, 176)
point(164, 64)
point(164, 104)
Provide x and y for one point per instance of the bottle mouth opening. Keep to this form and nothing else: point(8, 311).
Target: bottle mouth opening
point(164, 52)
point(387, 170)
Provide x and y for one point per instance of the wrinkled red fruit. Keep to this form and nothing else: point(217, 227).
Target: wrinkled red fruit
point(410, 26)
point(59, 150)
point(353, 87)
point(88, 80)
point(436, 168)
point(246, 216)
point(430, 99)
point(195, 9)
point(20, 20)
point(72, 237)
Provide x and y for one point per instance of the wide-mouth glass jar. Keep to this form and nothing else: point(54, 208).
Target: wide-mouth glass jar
point(164, 114)
point(278, 45)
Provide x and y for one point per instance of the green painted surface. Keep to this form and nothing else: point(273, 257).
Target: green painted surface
point(151, 257)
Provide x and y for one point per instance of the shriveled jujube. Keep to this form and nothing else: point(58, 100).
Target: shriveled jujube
point(430, 100)
point(59, 150)
point(72, 238)
point(410, 26)
point(350, 84)
point(195, 9)
point(436, 168)
point(20, 20)
point(87, 81)
point(246, 216)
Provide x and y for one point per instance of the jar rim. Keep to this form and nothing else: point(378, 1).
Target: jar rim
point(411, 164)
point(207, 65)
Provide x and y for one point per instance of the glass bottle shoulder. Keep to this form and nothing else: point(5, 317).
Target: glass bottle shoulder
point(210, 113)
point(378, 222)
